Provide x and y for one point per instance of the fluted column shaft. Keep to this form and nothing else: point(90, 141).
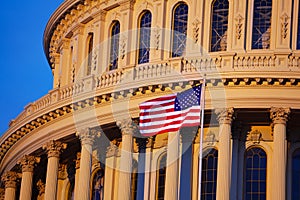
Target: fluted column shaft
point(54, 149)
point(27, 163)
point(279, 117)
point(10, 179)
point(225, 117)
point(128, 128)
point(171, 185)
point(77, 172)
point(87, 138)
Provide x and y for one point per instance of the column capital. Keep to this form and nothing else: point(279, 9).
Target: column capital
point(225, 115)
point(127, 127)
point(41, 187)
point(54, 148)
point(10, 179)
point(28, 163)
point(77, 160)
point(87, 135)
point(279, 115)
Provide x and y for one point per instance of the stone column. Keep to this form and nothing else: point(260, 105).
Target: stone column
point(77, 172)
point(171, 184)
point(110, 166)
point(142, 142)
point(28, 163)
point(87, 138)
point(225, 117)
point(187, 138)
point(128, 129)
point(279, 117)
point(62, 175)
point(10, 179)
point(54, 149)
point(148, 161)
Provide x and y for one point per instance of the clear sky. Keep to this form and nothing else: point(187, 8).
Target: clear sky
point(25, 74)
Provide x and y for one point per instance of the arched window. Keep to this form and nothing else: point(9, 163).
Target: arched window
point(261, 29)
point(255, 174)
point(296, 175)
point(219, 25)
point(114, 45)
point(98, 184)
point(209, 175)
point(179, 29)
point(144, 42)
point(90, 53)
point(161, 177)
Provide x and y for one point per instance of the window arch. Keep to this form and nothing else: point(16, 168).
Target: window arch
point(161, 177)
point(209, 175)
point(296, 175)
point(114, 45)
point(90, 53)
point(98, 184)
point(144, 37)
point(179, 29)
point(255, 174)
point(261, 29)
point(219, 25)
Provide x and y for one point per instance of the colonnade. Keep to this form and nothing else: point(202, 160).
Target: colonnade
point(173, 187)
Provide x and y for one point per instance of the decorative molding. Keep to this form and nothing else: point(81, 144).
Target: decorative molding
point(62, 171)
point(196, 28)
point(255, 136)
point(41, 187)
point(123, 44)
point(127, 127)
point(210, 138)
point(239, 26)
point(54, 148)
point(156, 35)
point(28, 163)
point(284, 25)
point(87, 136)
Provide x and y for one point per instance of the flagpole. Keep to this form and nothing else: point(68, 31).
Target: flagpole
point(201, 136)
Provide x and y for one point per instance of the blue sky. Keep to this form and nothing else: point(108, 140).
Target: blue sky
point(25, 74)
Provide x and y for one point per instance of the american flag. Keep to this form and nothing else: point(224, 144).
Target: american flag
point(171, 112)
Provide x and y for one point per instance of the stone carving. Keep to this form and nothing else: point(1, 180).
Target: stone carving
point(265, 38)
point(2, 193)
point(238, 26)
point(10, 179)
point(28, 163)
point(123, 46)
point(77, 160)
point(41, 188)
point(284, 25)
point(196, 27)
point(210, 138)
point(255, 136)
point(225, 115)
point(112, 149)
point(54, 148)
point(279, 115)
point(157, 33)
point(62, 171)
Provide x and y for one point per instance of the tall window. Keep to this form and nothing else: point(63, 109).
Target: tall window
point(219, 25)
point(90, 53)
point(98, 183)
point(161, 178)
point(145, 32)
point(209, 175)
point(255, 174)
point(179, 29)
point(298, 31)
point(114, 45)
point(296, 175)
point(261, 30)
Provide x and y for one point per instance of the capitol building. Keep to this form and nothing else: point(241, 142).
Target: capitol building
point(82, 140)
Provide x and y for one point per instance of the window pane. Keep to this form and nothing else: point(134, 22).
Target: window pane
point(114, 45)
point(209, 175)
point(255, 174)
point(179, 29)
point(219, 25)
point(145, 33)
point(261, 30)
point(161, 178)
point(296, 175)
